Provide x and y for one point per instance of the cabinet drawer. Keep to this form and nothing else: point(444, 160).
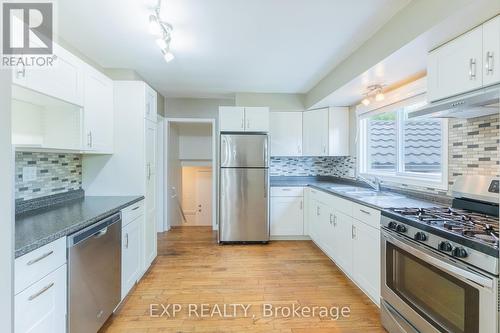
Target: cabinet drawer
point(367, 215)
point(34, 265)
point(42, 306)
point(287, 191)
point(341, 205)
point(132, 212)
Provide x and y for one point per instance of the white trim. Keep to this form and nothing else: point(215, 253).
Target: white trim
point(213, 122)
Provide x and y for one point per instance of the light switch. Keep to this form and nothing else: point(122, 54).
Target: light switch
point(29, 174)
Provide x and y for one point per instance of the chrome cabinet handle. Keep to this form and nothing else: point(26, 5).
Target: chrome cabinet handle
point(126, 240)
point(43, 256)
point(365, 212)
point(136, 208)
point(317, 210)
point(101, 233)
point(331, 218)
point(353, 232)
point(242, 123)
point(44, 289)
point(472, 69)
point(335, 220)
point(286, 189)
point(489, 62)
point(298, 149)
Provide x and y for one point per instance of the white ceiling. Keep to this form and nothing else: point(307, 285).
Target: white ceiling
point(225, 46)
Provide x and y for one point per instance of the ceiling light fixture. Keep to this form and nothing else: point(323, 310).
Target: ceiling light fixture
point(163, 30)
point(374, 91)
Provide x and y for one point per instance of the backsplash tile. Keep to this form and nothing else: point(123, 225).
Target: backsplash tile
point(313, 166)
point(56, 173)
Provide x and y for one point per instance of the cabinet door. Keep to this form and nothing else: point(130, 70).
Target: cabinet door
point(231, 119)
point(313, 220)
point(491, 51)
point(131, 254)
point(287, 217)
point(342, 240)
point(338, 137)
point(286, 133)
point(98, 112)
point(315, 133)
point(64, 80)
point(150, 112)
point(257, 119)
point(366, 259)
point(456, 67)
point(41, 307)
point(150, 223)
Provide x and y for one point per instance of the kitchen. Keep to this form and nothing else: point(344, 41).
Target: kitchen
point(187, 182)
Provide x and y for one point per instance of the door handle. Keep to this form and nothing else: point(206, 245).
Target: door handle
point(43, 256)
point(317, 211)
point(126, 240)
point(353, 232)
point(334, 220)
point(472, 69)
point(100, 233)
point(489, 66)
point(365, 212)
point(331, 218)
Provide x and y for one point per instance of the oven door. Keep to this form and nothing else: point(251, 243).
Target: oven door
point(425, 291)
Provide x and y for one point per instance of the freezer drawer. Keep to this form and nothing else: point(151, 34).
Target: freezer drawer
point(244, 151)
point(244, 205)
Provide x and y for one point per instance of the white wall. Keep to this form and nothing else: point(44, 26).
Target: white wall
point(174, 176)
point(195, 107)
point(6, 204)
point(195, 141)
point(276, 102)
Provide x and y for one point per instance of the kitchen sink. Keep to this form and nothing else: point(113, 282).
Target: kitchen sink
point(361, 192)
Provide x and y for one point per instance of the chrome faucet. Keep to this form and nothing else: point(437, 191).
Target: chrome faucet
point(375, 183)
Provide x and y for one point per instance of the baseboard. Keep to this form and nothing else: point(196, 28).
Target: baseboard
point(290, 238)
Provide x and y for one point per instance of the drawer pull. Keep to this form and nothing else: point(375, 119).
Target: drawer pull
point(286, 189)
point(136, 208)
point(34, 261)
point(44, 289)
point(364, 211)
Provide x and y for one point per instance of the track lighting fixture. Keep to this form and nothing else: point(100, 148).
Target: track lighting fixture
point(373, 91)
point(163, 31)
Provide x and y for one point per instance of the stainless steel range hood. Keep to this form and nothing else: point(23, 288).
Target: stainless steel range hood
point(478, 103)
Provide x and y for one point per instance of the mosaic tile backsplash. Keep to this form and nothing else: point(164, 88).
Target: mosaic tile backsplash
point(342, 166)
point(55, 173)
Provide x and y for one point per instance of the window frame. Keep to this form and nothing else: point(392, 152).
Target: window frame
point(399, 176)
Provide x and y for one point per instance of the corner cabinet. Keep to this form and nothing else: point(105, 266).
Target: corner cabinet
point(285, 130)
point(243, 119)
point(467, 63)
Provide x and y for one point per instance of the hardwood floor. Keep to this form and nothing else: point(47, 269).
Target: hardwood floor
point(192, 269)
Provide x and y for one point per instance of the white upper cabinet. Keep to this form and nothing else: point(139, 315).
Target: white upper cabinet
point(63, 81)
point(466, 63)
point(98, 112)
point(243, 119)
point(455, 67)
point(151, 104)
point(257, 119)
point(286, 133)
point(232, 118)
point(338, 135)
point(491, 51)
point(315, 133)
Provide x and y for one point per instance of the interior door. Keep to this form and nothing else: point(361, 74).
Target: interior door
point(204, 197)
point(244, 205)
point(150, 223)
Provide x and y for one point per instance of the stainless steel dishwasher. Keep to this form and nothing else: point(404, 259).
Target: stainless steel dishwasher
point(94, 274)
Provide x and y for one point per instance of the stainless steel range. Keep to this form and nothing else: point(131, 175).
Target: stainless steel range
point(440, 266)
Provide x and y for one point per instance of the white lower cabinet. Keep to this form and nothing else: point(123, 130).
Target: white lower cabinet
point(349, 234)
point(131, 254)
point(366, 258)
point(287, 211)
point(41, 307)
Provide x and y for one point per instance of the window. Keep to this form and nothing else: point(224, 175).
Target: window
point(398, 148)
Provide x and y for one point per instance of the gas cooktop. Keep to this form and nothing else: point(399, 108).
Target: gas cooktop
point(478, 227)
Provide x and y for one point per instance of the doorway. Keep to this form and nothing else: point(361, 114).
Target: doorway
point(190, 177)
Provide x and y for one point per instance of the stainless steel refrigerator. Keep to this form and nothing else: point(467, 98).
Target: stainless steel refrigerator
point(244, 188)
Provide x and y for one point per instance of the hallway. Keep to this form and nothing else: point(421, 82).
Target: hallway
point(192, 269)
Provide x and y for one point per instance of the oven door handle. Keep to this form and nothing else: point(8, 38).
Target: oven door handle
point(449, 268)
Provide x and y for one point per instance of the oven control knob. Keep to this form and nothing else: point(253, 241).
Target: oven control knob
point(392, 225)
point(445, 246)
point(401, 228)
point(459, 252)
point(420, 236)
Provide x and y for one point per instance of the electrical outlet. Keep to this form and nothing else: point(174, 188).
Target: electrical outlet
point(29, 174)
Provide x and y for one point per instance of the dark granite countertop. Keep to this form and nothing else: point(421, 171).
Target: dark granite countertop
point(332, 185)
point(41, 226)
